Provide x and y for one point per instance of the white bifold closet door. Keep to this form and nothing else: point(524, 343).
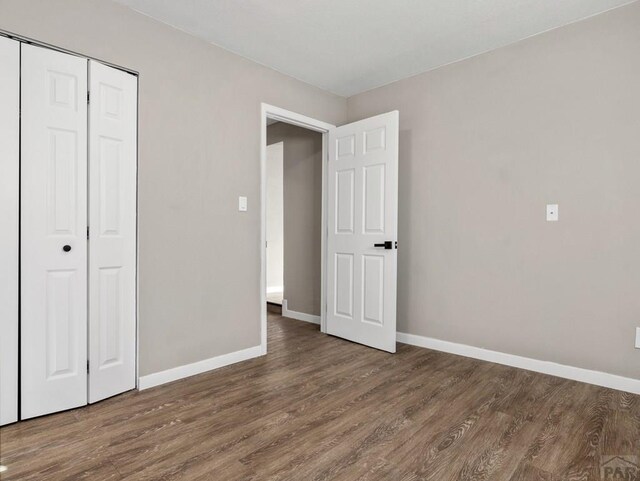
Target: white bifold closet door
point(78, 231)
point(9, 168)
point(53, 231)
point(112, 220)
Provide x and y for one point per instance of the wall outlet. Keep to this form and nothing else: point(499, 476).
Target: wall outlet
point(552, 212)
point(637, 337)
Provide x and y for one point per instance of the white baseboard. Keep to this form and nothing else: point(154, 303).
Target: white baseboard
point(180, 372)
point(560, 370)
point(274, 289)
point(301, 316)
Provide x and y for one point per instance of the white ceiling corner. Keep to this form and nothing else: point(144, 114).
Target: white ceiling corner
point(349, 46)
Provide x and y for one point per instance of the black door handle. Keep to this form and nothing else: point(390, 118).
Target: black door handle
point(386, 245)
point(66, 248)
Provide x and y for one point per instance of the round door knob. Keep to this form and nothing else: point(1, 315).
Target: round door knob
point(66, 248)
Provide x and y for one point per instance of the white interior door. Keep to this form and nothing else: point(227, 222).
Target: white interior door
point(9, 165)
point(112, 226)
point(53, 231)
point(362, 231)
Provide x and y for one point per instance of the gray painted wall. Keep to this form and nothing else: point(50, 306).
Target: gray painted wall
point(484, 144)
point(302, 215)
point(199, 258)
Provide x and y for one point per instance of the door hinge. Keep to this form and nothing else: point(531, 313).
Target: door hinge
point(87, 232)
point(88, 96)
point(87, 366)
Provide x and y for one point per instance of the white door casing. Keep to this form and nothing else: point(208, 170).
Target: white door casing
point(53, 215)
point(112, 227)
point(9, 210)
point(362, 210)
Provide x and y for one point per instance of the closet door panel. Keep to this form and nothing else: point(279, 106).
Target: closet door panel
point(112, 226)
point(53, 231)
point(9, 165)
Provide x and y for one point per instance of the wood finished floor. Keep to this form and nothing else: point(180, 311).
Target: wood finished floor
point(320, 408)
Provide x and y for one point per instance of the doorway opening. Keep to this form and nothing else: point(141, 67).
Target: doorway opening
point(359, 227)
point(294, 157)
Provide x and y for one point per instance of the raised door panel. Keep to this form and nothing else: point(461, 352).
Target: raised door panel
point(110, 188)
point(112, 227)
point(344, 285)
point(374, 139)
point(111, 345)
point(61, 330)
point(9, 167)
point(345, 197)
point(374, 199)
point(373, 288)
point(53, 231)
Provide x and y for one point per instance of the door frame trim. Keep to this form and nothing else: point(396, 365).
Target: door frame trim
point(294, 118)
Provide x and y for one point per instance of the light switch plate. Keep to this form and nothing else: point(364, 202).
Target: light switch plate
point(242, 204)
point(637, 337)
point(552, 212)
